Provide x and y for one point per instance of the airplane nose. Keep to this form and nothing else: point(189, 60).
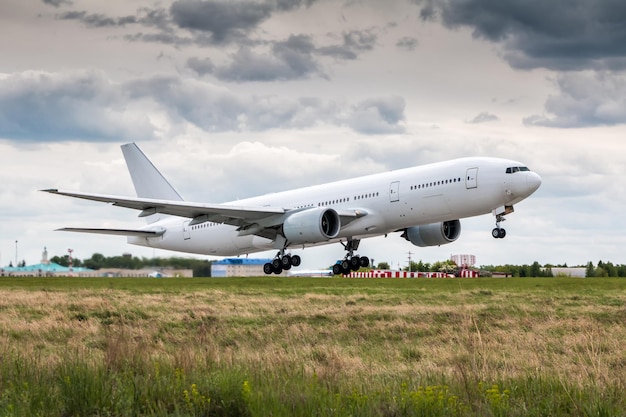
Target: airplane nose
point(533, 181)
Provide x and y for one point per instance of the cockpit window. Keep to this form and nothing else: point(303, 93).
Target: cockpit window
point(511, 170)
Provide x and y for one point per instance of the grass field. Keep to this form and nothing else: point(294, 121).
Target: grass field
point(275, 346)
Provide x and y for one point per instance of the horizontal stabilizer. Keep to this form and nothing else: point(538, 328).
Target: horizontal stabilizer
point(118, 232)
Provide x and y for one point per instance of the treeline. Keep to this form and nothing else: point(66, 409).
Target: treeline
point(602, 269)
point(200, 267)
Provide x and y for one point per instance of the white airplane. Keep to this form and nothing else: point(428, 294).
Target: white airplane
point(424, 203)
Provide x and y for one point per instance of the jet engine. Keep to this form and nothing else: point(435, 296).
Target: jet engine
point(312, 225)
point(433, 234)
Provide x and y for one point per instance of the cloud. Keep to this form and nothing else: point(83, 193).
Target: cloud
point(88, 106)
point(39, 106)
point(378, 116)
point(406, 42)
point(560, 34)
point(97, 20)
point(484, 117)
point(224, 21)
point(584, 100)
point(56, 3)
point(287, 60)
point(291, 59)
point(354, 42)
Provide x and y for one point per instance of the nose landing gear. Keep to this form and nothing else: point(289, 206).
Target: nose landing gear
point(498, 232)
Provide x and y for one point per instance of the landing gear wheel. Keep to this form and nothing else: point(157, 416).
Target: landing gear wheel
point(285, 261)
point(502, 233)
point(268, 268)
point(355, 263)
point(276, 263)
point(365, 261)
point(295, 260)
point(495, 233)
point(336, 269)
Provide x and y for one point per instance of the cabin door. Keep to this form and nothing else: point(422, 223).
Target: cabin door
point(471, 178)
point(186, 233)
point(394, 191)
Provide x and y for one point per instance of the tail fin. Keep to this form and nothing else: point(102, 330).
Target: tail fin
point(148, 181)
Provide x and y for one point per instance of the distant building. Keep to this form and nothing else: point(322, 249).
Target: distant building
point(238, 267)
point(51, 269)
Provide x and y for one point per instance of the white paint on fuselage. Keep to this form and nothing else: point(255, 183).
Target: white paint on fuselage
point(419, 195)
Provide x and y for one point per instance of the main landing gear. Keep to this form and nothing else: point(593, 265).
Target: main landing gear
point(281, 262)
point(350, 262)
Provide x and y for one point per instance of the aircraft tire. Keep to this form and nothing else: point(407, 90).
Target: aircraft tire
point(355, 263)
point(286, 262)
point(276, 263)
point(502, 234)
point(337, 269)
point(365, 261)
point(495, 233)
point(296, 260)
point(268, 268)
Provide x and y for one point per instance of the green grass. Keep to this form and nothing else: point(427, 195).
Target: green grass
point(312, 346)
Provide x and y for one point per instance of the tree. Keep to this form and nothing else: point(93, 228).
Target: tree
point(383, 265)
point(590, 271)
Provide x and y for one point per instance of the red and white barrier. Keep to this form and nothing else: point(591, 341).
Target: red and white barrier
point(466, 273)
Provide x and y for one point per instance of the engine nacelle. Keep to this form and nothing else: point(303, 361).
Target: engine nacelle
point(312, 226)
point(433, 234)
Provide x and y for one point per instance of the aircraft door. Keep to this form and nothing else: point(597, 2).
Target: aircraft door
point(186, 233)
point(394, 192)
point(471, 178)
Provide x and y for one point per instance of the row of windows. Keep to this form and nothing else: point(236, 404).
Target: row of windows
point(341, 200)
point(204, 225)
point(435, 183)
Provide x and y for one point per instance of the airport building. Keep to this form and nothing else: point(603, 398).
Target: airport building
point(238, 267)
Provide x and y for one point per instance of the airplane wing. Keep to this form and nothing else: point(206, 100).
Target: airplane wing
point(260, 221)
point(218, 213)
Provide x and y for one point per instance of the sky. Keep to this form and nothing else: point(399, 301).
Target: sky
point(232, 99)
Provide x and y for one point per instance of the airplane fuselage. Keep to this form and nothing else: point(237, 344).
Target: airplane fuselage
point(391, 201)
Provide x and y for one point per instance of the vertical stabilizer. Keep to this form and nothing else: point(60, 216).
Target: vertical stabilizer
point(148, 181)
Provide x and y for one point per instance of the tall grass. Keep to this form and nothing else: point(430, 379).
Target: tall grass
point(285, 347)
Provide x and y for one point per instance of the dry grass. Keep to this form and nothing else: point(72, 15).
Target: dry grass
point(495, 337)
point(351, 334)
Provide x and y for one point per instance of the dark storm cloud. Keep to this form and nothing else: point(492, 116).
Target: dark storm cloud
point(98, 20)
point(225, 21)
point(584, 100)
point(87, 106)
point(557, 34)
